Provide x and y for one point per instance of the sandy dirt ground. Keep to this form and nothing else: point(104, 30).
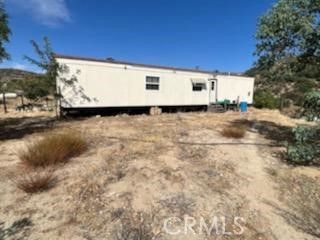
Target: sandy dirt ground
point(141, 170)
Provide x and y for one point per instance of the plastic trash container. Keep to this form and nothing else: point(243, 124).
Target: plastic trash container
point(243, 106)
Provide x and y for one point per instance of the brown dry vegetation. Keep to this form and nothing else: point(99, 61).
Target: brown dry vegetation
point(33, 181)
point(40, 156)
point(237, 131)
point(54, 148)
point(140, 170)
point(135, 225)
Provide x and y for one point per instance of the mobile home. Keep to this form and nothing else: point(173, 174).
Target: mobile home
point(98, 83)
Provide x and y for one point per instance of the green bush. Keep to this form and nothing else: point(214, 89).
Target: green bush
point(304, 85)
point(311, 105)
point(300, 153)
point(296, 97)
point(303, 150)
point(303, 134)
point(265, 99)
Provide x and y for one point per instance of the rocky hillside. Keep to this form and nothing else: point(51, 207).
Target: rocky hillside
point(8, 74)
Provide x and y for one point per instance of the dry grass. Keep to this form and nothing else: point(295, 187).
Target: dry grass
point(301, 193)
point(34, 181)
point(237, 131)
point(187, 176)
point(194, 153)
point(136, 226)
point(178, 204)
point(53, 148)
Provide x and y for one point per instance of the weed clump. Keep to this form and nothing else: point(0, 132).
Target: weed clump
point(53, 148)
point(136, 226)
point(234, 131)
point(38, 180)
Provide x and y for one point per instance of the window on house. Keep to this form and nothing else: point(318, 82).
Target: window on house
point(152, 83)
point(198, 85)
point(212, 85)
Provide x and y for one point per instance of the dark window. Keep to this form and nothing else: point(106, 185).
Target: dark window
point(152, 87)
point(196, 87)
point(199, 86)
point(152, 83)
point(212, 86)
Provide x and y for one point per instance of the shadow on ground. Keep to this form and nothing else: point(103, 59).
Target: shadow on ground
point(13, 128)
point(270, 130)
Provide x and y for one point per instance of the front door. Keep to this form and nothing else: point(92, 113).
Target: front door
point(213, 91)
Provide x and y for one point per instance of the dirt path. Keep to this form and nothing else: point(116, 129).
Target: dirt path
point(261, 190)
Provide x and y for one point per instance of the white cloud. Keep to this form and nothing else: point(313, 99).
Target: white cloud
point(47, 12)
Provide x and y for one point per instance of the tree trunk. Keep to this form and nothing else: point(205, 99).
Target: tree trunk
point(4, 102)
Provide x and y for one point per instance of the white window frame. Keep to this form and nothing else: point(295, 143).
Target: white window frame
point(152, 83)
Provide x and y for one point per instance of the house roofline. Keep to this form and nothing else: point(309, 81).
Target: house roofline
point(63, 56)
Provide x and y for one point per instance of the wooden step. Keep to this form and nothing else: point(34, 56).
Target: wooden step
point(216, 108)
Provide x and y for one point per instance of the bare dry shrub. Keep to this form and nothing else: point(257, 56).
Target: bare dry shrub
point(53, 148)
point(234, 131)
point(195, 153)
point(89, 210)
point(117, 213)
point(178, 204)
point(253, 222)
point(137, 226)
point(37, 180)
point(172, 175)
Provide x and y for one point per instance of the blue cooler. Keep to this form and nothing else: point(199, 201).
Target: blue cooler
point(243, 106)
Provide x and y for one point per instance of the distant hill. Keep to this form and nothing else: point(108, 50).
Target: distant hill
point(8, 74)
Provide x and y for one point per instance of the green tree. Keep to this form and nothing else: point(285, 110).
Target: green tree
point(4, 32)
point(288, 35)
point(35, 88)
point(288, 49)
point(47, 63)
point(265, 99)
point(52, 70)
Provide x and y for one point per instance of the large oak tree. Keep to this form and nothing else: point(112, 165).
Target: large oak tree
point(288, 35)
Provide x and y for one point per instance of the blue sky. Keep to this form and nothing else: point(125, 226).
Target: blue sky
point(211, 34)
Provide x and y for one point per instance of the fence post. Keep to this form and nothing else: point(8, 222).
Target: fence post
point(281, 103)
point(4, 102)
point(4, 87)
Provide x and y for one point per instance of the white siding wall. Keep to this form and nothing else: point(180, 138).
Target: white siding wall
point(111, 85)
point(232, 87)
point(102, 84)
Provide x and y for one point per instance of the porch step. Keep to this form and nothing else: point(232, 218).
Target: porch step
point(218, 108)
